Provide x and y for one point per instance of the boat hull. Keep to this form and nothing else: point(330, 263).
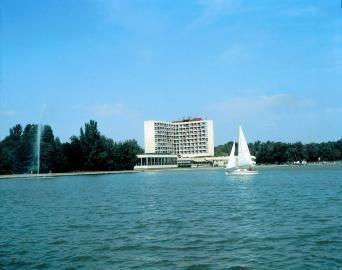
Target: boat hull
point(241, 172)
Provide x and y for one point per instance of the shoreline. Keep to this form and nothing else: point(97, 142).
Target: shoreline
point(48, 175)
point(52, 175)
point(301, 165)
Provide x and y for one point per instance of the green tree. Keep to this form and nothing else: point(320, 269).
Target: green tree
point(129, 151)
point(47, 150)
point(60, 161)
point(11, 149)
point(91, 151)
point(5, 162)
point(73, 154)
point(92, 147)
point(27, 151)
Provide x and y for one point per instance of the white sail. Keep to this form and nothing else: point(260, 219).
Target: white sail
point(244, 156)
point(231, 161)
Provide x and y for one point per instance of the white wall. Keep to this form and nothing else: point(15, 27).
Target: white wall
point(149, 137)
point(150, 144)
point(210, 137)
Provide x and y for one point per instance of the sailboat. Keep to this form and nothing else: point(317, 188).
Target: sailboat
point(243, 164)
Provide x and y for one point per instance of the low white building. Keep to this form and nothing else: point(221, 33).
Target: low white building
point(155, 161)
point(203, 161)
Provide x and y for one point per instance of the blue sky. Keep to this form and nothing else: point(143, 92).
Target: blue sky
point(275, 67)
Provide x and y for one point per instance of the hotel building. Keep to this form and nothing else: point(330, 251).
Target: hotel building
point(192, 137)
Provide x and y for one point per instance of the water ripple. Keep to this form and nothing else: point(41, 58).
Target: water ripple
point(285, 218)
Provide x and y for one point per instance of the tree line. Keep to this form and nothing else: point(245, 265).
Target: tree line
point(280, 153)
point(90, 151)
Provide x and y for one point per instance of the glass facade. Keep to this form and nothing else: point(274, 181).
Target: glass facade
point(156, 160)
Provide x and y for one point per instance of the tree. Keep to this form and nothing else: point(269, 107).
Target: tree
point(47, 150)
point(11, 150)
point(279, 152)
point(5, 162)
point(223, 150)
point(73, 154)
point(128, 151)
point(92, 146)
point(26, 153)
point(91, 151)
point(60, 161)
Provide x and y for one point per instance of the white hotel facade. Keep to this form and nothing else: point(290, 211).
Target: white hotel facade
point(193, 137)
point(184, 143)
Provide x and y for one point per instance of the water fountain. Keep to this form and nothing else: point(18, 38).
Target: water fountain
point(40, 129)
point(39, 134)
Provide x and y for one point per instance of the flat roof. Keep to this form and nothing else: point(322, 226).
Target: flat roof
point(194, 119)
point(155, 155)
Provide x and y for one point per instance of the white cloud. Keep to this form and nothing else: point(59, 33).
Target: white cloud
point(267, 110)
point(8, 113)
point(282, 116)
point(282, 99)
point(253, 103)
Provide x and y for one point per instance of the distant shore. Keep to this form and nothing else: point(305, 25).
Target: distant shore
point(48, 175)
point(300, 164)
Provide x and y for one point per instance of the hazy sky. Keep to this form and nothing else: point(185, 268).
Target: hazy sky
point(275, 67)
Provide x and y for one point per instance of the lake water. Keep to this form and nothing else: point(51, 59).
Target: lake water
point(283, 218)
